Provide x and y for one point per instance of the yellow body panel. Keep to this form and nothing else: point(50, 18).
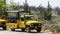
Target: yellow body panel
point(31, 21)
point(2, 20)
point(11, 25)
point(21, 24)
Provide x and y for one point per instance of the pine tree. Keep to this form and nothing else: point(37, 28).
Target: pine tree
point(48, 12)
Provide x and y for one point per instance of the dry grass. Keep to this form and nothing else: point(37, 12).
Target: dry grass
point(52, 25)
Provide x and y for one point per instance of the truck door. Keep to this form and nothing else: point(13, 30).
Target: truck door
point(22, 22)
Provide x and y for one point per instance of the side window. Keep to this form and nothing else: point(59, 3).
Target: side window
point(22, 19)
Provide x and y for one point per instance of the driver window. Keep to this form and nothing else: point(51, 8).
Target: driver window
point(22, 19)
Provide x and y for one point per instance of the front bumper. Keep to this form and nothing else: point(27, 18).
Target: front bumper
point(35, 27)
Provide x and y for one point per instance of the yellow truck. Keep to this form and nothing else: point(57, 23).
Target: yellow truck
point(23, 22)
point(3, 23)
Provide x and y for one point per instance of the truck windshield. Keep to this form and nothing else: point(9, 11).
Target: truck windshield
point(29, 18)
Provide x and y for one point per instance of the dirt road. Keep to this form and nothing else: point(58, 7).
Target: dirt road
point(18, 32)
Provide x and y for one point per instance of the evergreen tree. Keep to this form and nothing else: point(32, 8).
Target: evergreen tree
point(48, 13)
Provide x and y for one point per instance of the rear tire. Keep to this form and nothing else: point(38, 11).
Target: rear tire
point(27, 29)
point(12, 29)
point(4, 27)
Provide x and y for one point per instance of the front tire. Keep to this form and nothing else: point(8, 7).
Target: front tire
point(38, 29)
point(27, 29)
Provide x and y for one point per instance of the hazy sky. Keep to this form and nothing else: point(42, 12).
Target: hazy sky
point(53, 3)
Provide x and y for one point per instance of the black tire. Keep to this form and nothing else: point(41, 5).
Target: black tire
point(12, 29)
point(23, 29)
point(27, 29)
point(4, 27)
point(38, 29)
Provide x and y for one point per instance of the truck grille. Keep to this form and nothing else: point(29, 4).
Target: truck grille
point(36, 24)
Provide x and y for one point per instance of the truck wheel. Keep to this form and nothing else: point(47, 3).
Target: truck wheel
point(12, 29)
point(23, 29)
point(4, 27)
point(27, 29)
point(38, 29)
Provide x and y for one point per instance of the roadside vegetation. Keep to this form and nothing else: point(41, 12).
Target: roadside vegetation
point(52, 26)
